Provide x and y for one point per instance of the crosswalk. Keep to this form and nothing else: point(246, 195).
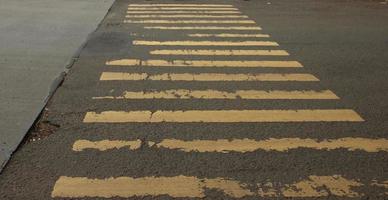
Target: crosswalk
point(212, 36)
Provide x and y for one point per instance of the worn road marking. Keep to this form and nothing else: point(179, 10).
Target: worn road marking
point(202, 63)
point(205, 52)
point(179, 8)
point(273, 144)
point(190, 21)
point(204, 43)
point(186, 16)
point(204, 27)
point(334, 115)
point(122, 76)
point(193, 187)
point(334, 185)
point(215, 94)
point(183, 12)
point(230, 35)
point(104, 145)
point(242, 145)
point(181, 5)
point(178, 186)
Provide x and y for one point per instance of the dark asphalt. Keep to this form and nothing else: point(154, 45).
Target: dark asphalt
point(343, 43)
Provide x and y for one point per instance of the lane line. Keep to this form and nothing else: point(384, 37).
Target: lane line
point(209, 52)
point(203, 63)
point(180, 8)
point(215, 94)
point(183, 12)
point(178, 186)
point(186, 16)
point(242, 145)
point(181, 5)
point(204, 43)
point(189, 21)
point(122, 76)
point(203, 27)
point(230, 35)
point(319, 115)
point(273, 144)
point(103, 145)
point(182, 186)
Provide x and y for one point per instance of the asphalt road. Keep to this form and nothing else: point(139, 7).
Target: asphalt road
point(138, 121)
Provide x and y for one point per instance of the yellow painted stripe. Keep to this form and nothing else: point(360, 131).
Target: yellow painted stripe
point(206, 52)
point(180, 8)
point(189, 21)
point(192, 187)
point(203, 27)
point(183, 12)
point(179, 186)
point(181, 5)
point(230, 35)
point(202, 63)
point(204, 43)
point(273, 144)
point(120, 76)
point(215, 94)
point(242, 145)
point(186, 16)
point(104, 145)
point(335, 115)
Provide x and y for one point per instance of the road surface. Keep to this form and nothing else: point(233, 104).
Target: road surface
point(218, 100)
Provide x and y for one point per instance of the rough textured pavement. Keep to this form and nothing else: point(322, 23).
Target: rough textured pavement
point(250, 130)
point(38, 40)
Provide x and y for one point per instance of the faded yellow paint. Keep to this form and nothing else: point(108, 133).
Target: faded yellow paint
point(320, 186)
point(274, 144)
point(215, 94)
point(203, 52)
point(245, 145)
point(180, 5)
point(189, 21)
point(334, 115)
point(204, 27)
point(104, 145)
point(180, 8)
point(179, 186)
point(183, 12)
point(122, 76)
point(230, 35)
point(193, 187)
point(202, 63)
point(204, 43)
point(186, 16)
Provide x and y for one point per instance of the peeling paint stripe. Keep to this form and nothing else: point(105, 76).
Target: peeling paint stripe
point(203, 63)
point(205, 52)
point(104, 145)
point(186, 16)
point(181, 5)
point(273, 144)
point(244, 145)
point(204, 43)
point(230, 35)
point(178, 186)
point(179, 8)
point(192, 187)
point(204, 27)
point(215, 94)
point(122, 76)
point(189, 21)
point(183, 12)
point(334, 115)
